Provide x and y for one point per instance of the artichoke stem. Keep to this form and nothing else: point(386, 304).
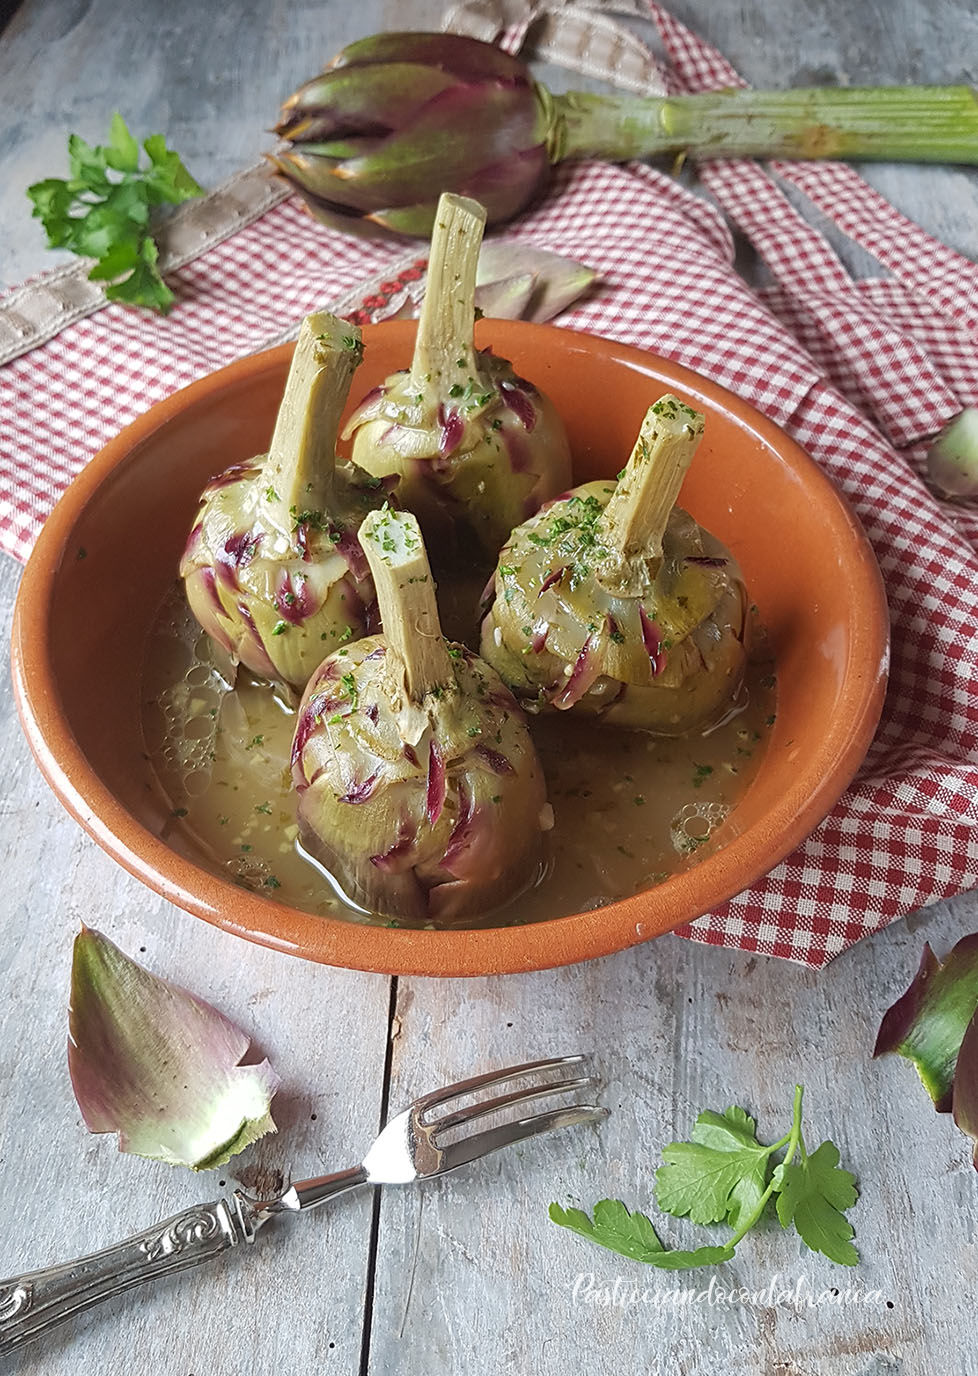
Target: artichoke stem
point(891, 123)
point(444, 352)
point(635, 518)
point(302, 455)
point(418, 661)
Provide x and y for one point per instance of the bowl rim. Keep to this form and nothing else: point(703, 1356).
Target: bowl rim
point(472, 952)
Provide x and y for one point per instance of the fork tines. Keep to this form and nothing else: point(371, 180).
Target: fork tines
point(470, 1147)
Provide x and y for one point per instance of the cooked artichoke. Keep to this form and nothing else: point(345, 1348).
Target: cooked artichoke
point(469, 440)
point(613, 601)
point(419, 789)
point(273, 569)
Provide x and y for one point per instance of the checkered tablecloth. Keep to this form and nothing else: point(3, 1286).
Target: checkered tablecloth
point(858, 373)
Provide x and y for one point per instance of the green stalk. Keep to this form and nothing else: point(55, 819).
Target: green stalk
point(302, 454)
point(444, 347)
point(792, 1141)
point(886, 123)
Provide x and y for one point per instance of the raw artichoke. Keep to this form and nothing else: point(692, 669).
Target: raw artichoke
point(418, 786)
point(401, 117)
point(273, 569)
point(469, 440)
point(398, 118)
point(613, 601)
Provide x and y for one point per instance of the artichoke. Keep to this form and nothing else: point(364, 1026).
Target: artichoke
point(401, 117)
point(613, 601)
point(419, 789)
point(469, 440)
point(398, 118)
point(273, 570)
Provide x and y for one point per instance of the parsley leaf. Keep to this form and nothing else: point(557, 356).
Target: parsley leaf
point(723, 1175)
point(144, 286)
point(103, 210)
point(812, 1194)
point(720, 1175)
point(629, 1234)
point(632, 1235)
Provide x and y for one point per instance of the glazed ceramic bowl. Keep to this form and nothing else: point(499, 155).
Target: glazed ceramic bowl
point(109, 552)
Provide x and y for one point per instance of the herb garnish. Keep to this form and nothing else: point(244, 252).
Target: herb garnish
point(724, 1175)
point(103, 210)
point(574, 534)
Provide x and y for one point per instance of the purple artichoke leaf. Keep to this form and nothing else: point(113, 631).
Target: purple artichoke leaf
point(158, 1065)
point(555, 282)
point(928, 1022)
point(436, 150)
point(462, 57)
point(366, 101)
point(347, 219)
point(964, 1092)
point(952, 459)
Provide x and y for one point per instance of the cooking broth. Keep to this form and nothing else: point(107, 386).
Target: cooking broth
point(629, 809)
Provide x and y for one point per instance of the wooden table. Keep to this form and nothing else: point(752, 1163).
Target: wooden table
point(467, 1274)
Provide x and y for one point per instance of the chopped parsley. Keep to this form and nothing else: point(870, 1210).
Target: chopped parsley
point(702, 773)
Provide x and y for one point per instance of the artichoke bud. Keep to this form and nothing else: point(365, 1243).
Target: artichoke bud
point(418, 786)
point(614, 602)
point(401, 117)
point(469, 441)
point(273, 569)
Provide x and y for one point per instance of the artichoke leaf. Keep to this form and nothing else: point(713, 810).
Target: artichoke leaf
point(158, 1065)
point(928, 1022)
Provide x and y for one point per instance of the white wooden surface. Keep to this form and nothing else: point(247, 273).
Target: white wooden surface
point(465, 1275)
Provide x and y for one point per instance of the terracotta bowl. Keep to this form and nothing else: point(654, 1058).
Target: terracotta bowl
point(109, 552)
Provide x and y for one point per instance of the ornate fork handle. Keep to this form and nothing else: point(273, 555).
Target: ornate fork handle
point(32, 1304)
point(40, 1300)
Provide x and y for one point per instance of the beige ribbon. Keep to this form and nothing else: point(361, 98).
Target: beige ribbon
point(585, 36)
point(33, 314)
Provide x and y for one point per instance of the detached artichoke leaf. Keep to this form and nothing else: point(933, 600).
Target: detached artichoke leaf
point(964, 1094)
point(159, 1066)
point(952, 459)
point(519, 281)
point(928, 1022)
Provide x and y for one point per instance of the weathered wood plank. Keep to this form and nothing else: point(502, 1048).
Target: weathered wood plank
point(297, 1298)
point(472, 1275)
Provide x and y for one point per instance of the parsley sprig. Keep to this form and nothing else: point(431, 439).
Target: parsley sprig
point(103, 210)
point(725, 1175)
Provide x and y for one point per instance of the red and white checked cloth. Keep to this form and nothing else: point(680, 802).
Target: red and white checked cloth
point(858, 373)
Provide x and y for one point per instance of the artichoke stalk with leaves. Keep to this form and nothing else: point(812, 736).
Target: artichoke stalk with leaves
point(418, 785)
point(272, 568)
point(466, 437)
point(398, 118)
point(614, 602)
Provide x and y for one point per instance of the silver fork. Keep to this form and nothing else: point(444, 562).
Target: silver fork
point(411, 1147)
